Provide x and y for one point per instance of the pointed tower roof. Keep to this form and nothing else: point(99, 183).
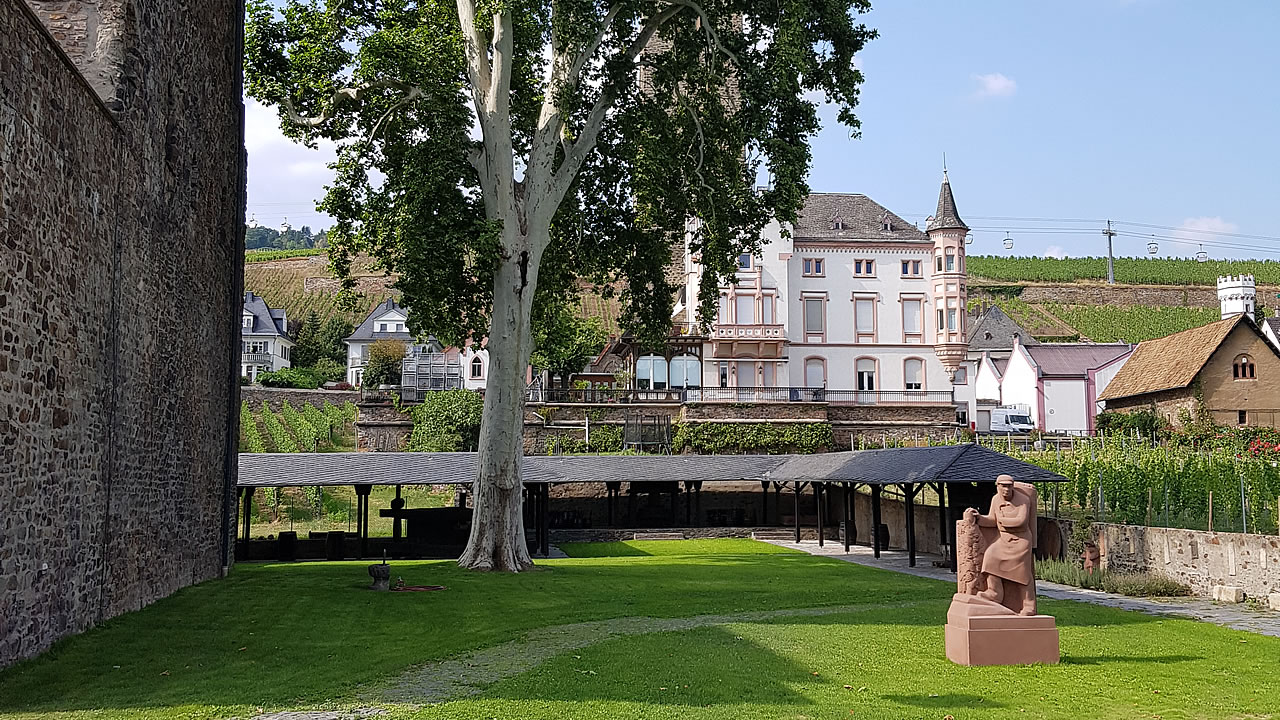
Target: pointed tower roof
point(946, 217)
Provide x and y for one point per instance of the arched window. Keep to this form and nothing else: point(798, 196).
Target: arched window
point(866, 373)
point(477, 368)
point(651, 373)
point(913, 374)
point(815, 373)
point(1244, 369)
point(686, 372)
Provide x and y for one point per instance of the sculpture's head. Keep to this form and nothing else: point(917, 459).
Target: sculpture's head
point(1004, 486)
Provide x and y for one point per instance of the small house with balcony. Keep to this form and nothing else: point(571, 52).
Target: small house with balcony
point(427, 365)
point(387, 321)
point(264, 338)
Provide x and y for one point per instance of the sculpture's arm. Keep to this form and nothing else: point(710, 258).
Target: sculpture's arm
point(985, 520)
point(1017, 516)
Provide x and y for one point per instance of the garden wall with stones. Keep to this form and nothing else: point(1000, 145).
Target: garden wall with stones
point(276, 397)
point(1199, 559)
point(121, 246)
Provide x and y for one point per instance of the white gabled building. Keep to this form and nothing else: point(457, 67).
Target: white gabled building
point(264, 340)
point(427, 366)
point(1057, 384)
point(853, 300)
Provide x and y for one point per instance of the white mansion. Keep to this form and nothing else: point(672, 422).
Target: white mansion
point(264, 339)
point(853, 299)
point(427, 366)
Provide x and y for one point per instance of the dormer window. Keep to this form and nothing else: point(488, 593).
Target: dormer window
point(886, 224)
point(382, 327)
point(1244, 368)
point(837, 223)
point(247, 321)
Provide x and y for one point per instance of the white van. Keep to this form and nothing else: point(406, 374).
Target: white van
point(1011, 420)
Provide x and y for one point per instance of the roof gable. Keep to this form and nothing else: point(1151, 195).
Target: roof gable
point(1173, 361)
point(368, 330)
point(1074, 360)
point(994, 330)
point(266, 321)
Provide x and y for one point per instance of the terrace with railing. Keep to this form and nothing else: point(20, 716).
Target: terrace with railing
point(741, 395)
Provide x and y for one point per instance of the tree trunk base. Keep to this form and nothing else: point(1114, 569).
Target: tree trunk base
point(497, 542)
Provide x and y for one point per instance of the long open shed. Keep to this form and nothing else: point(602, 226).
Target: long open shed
point(956, 467)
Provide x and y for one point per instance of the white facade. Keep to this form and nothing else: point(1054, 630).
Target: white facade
point(853, 299)
point(388, 321)
point(1059, 390)
point(264, 343)
point(1237, 295)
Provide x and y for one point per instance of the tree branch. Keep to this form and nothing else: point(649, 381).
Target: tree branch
point(341, 97)
point(708, 26)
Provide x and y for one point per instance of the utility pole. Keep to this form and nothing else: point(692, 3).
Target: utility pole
point(1111, 261)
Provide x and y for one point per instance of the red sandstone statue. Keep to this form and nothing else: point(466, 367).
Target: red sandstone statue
point(992, 619)
point(1008, 563)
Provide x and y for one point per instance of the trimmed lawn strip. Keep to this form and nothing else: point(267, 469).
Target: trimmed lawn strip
point(639, 548)
point(1116, 665)
point(284, 636)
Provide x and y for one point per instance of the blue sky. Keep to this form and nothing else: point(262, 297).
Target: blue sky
point(1141, 111)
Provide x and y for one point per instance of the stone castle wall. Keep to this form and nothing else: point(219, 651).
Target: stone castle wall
point(121, 246)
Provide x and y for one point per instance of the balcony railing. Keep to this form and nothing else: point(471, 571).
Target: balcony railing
point(743, 395)
point(833, 397)
point(748, 332)
point(256, 358)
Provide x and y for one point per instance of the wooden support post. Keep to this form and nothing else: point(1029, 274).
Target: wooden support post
point(848, 520)
point(817, 497)
point(764, 516)
point(875, 519)
point(1210, 511)
point(362, 517)
point(545, 548)
point(777, 503)
point(797, 508)
point(248, 513)
point(942, 513)
point(911, 489)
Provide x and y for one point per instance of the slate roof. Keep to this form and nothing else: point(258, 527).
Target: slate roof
point(366, 331)
point(266, 321)
point(953, 463)
point(1169, 362)
point(1274, 324)
point(947, 216)
point(1074, 360)
point(862, 219)
point(1001, 328)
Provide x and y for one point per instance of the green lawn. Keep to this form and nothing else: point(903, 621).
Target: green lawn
point(302, 635)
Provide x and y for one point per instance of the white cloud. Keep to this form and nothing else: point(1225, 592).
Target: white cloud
point(995, 85)
point(1055, 251)
point(1190, 226)
point(285, 179)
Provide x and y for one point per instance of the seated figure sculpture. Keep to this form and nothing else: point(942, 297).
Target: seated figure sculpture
point(992, 619)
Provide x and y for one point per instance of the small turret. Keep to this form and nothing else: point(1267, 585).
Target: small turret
point(1237, 295)
point(948, 231)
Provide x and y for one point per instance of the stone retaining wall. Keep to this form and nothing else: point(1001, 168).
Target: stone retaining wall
point(1199, 559)
point(275, 397)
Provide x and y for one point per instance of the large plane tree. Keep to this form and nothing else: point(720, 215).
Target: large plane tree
point(495, 155)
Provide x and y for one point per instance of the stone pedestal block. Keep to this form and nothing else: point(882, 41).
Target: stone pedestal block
point(1228, 594)
point(1274, 600)
point(978, 633)
point(381, 574)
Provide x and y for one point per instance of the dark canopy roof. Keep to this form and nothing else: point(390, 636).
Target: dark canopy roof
point(950, 463)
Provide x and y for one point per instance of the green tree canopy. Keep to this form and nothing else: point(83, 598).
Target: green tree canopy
point(492, 154)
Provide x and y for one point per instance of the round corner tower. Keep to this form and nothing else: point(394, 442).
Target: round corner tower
point(1238, 295)
point(948, 231)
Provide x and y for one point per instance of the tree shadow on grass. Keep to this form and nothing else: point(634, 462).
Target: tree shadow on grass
point(699, 668)
point(945, 701)
point(1109, 659)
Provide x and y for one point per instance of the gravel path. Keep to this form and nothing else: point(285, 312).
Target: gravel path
point(470, 674)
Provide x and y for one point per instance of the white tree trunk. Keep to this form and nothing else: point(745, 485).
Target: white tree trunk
point(497, 540)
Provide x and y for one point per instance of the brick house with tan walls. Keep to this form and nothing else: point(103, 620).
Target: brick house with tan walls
point(1228, 367)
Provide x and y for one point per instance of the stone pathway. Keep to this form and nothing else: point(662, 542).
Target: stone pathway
point(471, 673)
point(1237, 617)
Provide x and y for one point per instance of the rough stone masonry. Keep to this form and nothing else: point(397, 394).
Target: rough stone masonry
point(121, 234)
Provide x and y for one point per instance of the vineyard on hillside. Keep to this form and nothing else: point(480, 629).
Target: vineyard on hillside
point(1131, 324)
point(304, 284)
point(311, 429)
point(1134, 271)
point(257, 256)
